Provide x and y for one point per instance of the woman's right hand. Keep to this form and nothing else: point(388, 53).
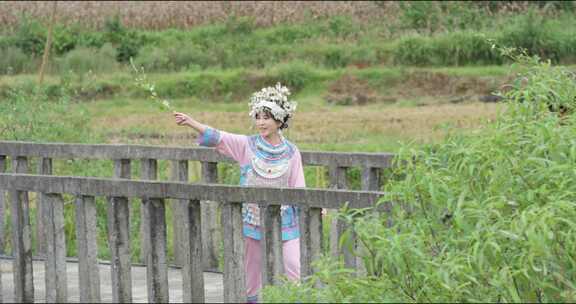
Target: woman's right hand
point(182, 119)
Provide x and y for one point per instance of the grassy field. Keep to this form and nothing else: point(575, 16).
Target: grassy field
point(408, 104)
point(373, 128)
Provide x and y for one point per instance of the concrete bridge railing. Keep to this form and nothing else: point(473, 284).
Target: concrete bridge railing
point(192, 203)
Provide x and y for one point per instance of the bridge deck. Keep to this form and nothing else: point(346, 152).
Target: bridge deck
point(213, 284)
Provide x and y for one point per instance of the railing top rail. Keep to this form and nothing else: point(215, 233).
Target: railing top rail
point(111, 151)
point(320, 198)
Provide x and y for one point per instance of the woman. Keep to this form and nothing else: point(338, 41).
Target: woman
point(265, 159)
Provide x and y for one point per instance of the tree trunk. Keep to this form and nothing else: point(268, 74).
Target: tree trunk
point(48, 44)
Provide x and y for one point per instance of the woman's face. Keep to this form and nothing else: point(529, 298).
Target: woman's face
point(266, 124)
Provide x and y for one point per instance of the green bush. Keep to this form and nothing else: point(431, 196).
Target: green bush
point(153, 59)
point(209, 36)
point(7, 41)
point(341, 26)
point(423, 16)
point(127, 42)
point(327, 55)
point(289, 33)
point(30, 36)
point(13, 61)
point(82, 60)
point(413, 50)
point(462, 17)
point(295, 75)
point(549, 39)
point(29, 114)
point(91, 39)
point(244, 25)
point(484, 217)
point(463, 48)
point(64, 39)
point(221, 85)
point(240, 52)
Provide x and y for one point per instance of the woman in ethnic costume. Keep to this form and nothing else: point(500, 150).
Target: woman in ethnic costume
point(265, 159)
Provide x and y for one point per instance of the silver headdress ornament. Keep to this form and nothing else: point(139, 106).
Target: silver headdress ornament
point(275, 99)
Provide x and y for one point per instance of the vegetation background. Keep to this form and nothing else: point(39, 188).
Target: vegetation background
point(416, 78)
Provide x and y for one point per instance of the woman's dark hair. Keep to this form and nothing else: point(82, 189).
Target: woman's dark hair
point(284, 124)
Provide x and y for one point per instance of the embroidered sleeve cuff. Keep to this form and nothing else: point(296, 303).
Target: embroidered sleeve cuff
point(210, 138)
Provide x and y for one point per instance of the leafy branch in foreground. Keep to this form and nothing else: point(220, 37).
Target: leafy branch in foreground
point(481, 217)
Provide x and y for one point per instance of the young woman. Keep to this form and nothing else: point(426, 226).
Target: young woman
point(265, 159)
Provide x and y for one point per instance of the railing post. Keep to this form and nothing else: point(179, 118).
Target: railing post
point(2, 199)
point(234, 270)
point(310, 238)
point(119, 239)
point(370, 181)
point(338, 181)
point(192, 268)
point(22, 238)
point(44, 168)
point(55, 264)
point(86, 240)
point(2, 207)
point(189, 245)
point(144, 246)
point(271, 245)
point(177, 222)
point(155, 235)
point(211, 232)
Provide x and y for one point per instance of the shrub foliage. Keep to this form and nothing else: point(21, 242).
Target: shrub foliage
point(486, 217)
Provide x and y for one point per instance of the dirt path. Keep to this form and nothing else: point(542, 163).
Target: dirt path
point(212, 281)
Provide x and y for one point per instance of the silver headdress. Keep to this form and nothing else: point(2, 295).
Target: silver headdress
point(276, 100)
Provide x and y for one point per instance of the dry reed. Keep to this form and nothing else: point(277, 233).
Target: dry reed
point(154, 15)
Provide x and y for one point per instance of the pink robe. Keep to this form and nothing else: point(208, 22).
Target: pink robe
point(263, 164)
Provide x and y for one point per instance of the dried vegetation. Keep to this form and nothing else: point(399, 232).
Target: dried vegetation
point(186, 14)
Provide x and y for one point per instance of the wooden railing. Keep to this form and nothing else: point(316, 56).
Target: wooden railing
point(153, 193)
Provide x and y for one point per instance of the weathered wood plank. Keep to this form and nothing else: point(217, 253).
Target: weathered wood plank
point(144, 246)
point(86, 242)
point(157, 269)
point(345, 159)
point(311, 236)
point(371, 179)
point(2, 206)
point(320, 198)
point(60, 150)
point(211, 231)
point(119, 238)
point(192, 268)
point(234, 273)
point(155, 236)
point(271, 245)
point(44, 168)
point(55, 264)
point(338, 227)
point(99, 151)
point(338, 177)
point(179, 174)
point(22, 238)
point(2, 203)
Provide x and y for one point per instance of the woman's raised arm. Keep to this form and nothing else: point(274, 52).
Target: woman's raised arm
point(185, 120)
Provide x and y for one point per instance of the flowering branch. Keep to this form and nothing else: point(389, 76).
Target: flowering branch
point(142, 82)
